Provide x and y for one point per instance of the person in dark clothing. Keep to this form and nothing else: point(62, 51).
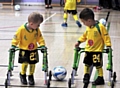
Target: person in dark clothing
point(48, 4)
point(109, 3)
point(101, 3)
point(117, 5)
point(106, 4)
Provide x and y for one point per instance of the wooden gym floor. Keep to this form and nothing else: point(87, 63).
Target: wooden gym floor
point(60, 42)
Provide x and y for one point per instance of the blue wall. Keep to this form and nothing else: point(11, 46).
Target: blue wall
point(55, 1)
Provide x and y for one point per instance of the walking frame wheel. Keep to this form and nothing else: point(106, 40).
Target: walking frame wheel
point(69, 83)
point(112, 84)
point(6, 85)
point(85, 85)
point(48, 83)
point(114, 76)
point(50, 75)
point(114, 80)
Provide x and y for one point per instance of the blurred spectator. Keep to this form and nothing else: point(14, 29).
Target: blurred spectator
point(104, 4)
point(117, 5)
point(109, 4)
point(48, 4)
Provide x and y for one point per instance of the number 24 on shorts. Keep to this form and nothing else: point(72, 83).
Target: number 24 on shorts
point(96, 58)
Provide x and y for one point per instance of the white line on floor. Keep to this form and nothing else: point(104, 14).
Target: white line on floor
point(48, 18)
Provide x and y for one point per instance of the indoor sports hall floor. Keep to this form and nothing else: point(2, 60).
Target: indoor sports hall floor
point(59, 41)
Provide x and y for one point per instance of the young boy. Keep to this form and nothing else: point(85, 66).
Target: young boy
point(27, 38)
point(95, 42)
point(70, 8)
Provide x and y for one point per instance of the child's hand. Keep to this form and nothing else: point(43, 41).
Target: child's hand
point(43, 49)
point(12, 49)
point(77, 44)
point(108, 49)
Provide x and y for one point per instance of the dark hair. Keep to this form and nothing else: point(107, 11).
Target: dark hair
point(86, 14)
point(35, 17)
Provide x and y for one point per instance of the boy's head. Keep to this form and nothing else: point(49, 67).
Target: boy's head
point(34, 20)
point(87, 17)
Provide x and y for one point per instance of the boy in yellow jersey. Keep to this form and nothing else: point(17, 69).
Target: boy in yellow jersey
point(95, 42)
point(70, 8)
point(27, 38)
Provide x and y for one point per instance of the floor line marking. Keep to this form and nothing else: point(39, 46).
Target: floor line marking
point(48, 18)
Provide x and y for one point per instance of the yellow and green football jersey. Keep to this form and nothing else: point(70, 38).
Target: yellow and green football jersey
point(27, 39)
point(94, 40)
point(70, 5)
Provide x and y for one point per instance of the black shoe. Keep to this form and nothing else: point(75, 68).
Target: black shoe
point(31, 80)
point(23, 79)
point(86, 78)
point(47, 7)
point(50, 7)
point(99, 81)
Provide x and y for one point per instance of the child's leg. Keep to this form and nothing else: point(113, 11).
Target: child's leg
point(100, 71)
point(98, 64)
point(23, 73)
point(32, 69)
point(86, 74)
point(86, 69)
point(88, 62)
point(31, 76)
point(65, 16)
point(24, 68)
point(100, 79)
point(76, 19)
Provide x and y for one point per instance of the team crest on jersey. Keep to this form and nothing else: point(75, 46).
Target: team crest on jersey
point(31, 46)
point(90, 42)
